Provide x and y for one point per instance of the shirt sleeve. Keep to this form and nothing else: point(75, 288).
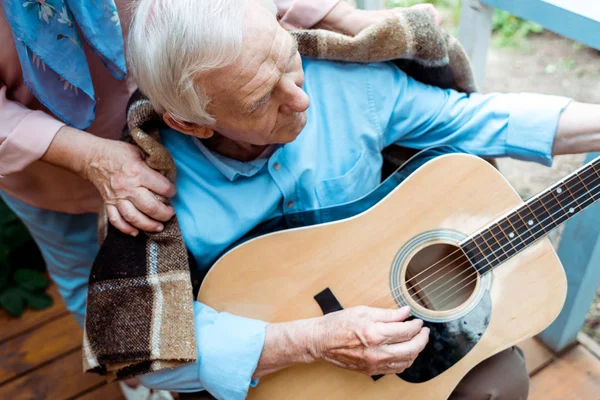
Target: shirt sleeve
point(303, 14)
point(416, 115)
point(25, 135)
point(228, 351)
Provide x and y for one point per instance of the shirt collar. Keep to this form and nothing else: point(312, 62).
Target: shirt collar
point(233, 169)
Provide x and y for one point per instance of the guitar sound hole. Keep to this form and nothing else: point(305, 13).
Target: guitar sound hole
point(439, 277)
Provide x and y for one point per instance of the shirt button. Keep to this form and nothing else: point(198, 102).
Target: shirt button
point(290, 204)
point(276, 166)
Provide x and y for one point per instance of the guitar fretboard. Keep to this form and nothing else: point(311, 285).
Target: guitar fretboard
point(534, 220)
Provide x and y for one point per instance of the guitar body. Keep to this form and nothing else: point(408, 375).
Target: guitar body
point(374, 258)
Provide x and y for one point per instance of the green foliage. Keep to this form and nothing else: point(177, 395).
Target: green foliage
point(20, 287)
point(509, 31)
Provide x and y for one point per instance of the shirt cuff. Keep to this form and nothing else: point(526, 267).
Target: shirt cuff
point(532, 126)
point(304, 14)
point(28, 141)
point(228, 351)
point(229, 348)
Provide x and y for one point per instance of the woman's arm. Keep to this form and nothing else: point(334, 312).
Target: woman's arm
point(25, 135)
point(336, 15)
point(115, 168)
point(120, 174)
point(304, 14)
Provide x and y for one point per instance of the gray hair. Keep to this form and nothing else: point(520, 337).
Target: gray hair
point(171, 42)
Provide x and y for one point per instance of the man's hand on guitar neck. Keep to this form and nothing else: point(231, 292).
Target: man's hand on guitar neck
point(372, 341)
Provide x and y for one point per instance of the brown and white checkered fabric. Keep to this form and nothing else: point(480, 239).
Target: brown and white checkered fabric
point(140, 305)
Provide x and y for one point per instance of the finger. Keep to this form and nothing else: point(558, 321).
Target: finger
point(137, 218)
point(398, 332)
point(389, 314)
point(393, 368)
point(114, 217)
point(408, 351)
point(144, 201)
point(157, 183)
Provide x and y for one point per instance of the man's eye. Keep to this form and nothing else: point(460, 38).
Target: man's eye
point(259, 104)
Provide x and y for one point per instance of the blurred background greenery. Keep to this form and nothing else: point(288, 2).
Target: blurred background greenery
point(22, 269)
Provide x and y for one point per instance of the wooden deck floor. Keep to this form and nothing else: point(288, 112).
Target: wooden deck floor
point(40, 358)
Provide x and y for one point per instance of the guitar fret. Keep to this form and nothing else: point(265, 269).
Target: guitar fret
point(513, 235)
point(543, 214)
point(497, 253)
point(483, 246)
point(593, 167)
point(588, 183)
point(519, 227)
point(573, 203)
point(504, 240)
point(478, 261)
point(564, 201)
point(534, 222)
point(485, 254)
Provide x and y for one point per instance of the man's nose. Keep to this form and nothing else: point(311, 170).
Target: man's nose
point(298, 102)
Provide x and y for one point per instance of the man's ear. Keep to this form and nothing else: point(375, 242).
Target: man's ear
point(201, 132)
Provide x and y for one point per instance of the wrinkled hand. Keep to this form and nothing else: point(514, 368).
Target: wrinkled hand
point(127, 185)
point(370, 340)
point(346, 19)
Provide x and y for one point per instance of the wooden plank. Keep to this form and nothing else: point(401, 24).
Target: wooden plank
point(11, 326)
point(574, 376)
point(590, 344)
point(109, 391)
point(61, 379)
point(27, 351)
point(537, 355)
point(581, 7)
point(474, 34)
point(579, 20)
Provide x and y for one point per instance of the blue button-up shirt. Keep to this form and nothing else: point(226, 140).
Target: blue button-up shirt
point(356, 110)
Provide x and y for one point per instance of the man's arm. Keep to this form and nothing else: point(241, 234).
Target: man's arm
point(578, 129)
point(234, 351)
point(525, 126)
point(228, 351)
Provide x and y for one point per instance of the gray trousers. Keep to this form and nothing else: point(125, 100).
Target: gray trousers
point(500, 377)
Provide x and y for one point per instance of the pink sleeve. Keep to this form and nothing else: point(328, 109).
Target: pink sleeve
point(303, 14)
point(25, 135)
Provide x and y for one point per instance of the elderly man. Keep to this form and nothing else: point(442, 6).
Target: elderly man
point(235, 93)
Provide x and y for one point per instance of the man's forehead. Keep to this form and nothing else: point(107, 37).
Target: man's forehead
point(266, 49)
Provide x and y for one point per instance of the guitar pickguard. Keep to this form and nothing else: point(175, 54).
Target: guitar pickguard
point(449, 342)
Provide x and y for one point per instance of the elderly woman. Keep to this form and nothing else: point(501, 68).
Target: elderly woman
point(63, 93)
point(59, 160)
point(243, 137)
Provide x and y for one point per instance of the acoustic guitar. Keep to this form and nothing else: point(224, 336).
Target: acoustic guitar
point(446, 234)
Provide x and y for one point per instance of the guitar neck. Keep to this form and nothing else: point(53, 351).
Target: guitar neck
point(536, 218)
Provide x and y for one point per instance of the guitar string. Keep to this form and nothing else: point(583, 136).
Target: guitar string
point(459, 250)
point(477, 271)
point(500, 248)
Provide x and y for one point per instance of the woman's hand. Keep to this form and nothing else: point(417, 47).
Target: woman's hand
point(346, 19)
point(126, 185)
point(118, 171)
point(369, 340)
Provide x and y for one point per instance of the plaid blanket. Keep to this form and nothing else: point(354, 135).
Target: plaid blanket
point(140, 302)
